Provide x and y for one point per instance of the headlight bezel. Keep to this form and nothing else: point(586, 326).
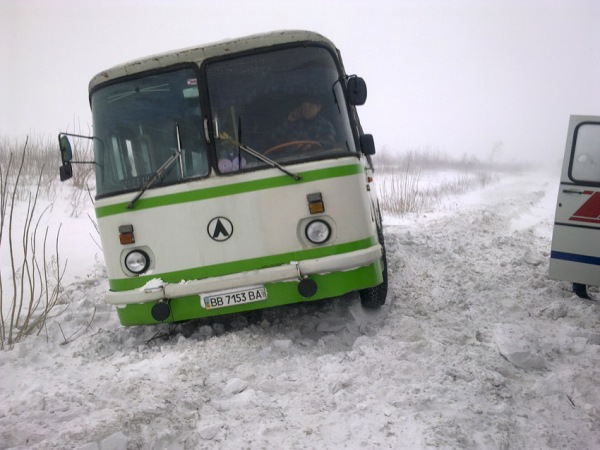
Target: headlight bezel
point(143, 261)
point(316, 227)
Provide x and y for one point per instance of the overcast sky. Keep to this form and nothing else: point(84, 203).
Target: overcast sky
point(456, 76)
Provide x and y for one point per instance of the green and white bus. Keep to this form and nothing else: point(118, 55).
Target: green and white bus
point(232, 177)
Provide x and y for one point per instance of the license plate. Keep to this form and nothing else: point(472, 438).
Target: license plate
point(232, 297)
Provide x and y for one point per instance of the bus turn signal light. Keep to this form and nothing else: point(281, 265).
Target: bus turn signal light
point(315, 203)
point(126, 234)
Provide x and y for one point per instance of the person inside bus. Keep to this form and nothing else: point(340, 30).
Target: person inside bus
point(305, 123)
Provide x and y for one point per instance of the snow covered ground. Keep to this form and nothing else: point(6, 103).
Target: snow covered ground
point(476, 348)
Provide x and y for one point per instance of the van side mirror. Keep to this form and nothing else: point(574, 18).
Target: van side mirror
point(367, 144)
point(66, 155)
point(356, 91)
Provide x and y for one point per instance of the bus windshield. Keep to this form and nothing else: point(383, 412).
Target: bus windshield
point(140, 123)
point(286, 104)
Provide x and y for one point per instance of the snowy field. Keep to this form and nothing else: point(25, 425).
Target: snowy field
point(475, 348)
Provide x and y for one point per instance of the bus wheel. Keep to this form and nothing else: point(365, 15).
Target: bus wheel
point(374, 297)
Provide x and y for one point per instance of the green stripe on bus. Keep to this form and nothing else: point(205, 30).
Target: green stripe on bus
point(230, 189)
point(216, 270)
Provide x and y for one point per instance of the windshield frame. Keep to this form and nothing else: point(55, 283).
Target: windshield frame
point(208, 127)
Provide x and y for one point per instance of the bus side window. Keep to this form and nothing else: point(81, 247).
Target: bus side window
point(105, 164)
point(118, 160)
point(128, 152)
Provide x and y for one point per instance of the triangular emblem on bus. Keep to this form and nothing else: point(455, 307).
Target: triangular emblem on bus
point(220, 229)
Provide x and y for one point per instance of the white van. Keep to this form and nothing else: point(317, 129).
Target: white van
point(575, 255)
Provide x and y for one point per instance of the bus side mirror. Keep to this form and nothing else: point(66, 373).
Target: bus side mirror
point(367, 144)
point(357, 91)
point(66, 171)
point(66, 155)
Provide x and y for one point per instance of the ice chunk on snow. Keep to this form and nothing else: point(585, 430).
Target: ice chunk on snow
point(594, 339)
point(115, 441)
point(88, 446)
point(555, 311)
point(282, 344)
point(513, 345)
point(235, 386)
point(209, 432)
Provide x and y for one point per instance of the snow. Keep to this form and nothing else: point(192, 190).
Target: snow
point(475, 348)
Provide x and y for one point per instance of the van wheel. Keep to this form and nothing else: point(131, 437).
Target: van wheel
point(581, 291)
point(374, 297)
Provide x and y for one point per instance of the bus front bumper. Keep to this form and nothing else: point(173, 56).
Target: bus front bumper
point(156, 290)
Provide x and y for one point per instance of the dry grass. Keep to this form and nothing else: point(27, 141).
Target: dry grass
point(401, 190)
point(40, 165)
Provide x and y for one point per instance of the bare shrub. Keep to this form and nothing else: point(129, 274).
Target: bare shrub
point(399, 193)
point(34, 285)
point(400, 190)
point(40, 164)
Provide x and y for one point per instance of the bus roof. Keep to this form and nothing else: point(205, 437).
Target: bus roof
point(200, 53)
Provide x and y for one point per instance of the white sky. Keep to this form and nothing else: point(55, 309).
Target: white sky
point(456, 76)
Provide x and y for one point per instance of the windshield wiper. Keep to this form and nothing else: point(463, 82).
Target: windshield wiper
point(269, 161)
point(160, 172)
point(259, 155)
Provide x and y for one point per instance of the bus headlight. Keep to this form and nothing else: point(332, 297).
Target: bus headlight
point(318, 231)
point(137, 261)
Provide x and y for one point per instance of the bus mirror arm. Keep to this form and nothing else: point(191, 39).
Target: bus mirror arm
point(66, 154)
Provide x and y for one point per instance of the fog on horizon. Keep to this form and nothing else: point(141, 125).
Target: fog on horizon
point(456, 77)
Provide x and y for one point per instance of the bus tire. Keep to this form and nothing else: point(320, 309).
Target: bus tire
point(374, 297)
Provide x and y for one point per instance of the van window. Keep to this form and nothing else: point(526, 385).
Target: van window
point(585, 165)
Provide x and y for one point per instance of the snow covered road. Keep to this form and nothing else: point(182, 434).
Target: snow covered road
point(476, 348)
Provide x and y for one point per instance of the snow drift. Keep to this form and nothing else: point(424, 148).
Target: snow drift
point(475, 348)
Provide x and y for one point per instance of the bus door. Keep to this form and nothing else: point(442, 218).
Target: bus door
point(575, 255)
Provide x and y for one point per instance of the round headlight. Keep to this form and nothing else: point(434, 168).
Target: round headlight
point(318, 231)
point(137, 261)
